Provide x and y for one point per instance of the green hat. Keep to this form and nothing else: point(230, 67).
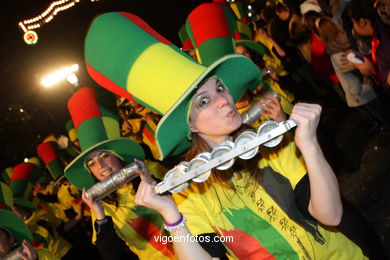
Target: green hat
point(97, 124)
point(15, 226)
point(211, 28)
point(24, 176)
point(48, 151)
point(126, 56)
point(6, 174)
point(6, 198)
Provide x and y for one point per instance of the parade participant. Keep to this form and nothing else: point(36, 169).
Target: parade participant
point(42, 223)
point(14, 233)
point(117, 220)
point(205, 25)
point(272, 205)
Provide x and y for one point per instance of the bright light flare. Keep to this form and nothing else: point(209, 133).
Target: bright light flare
point(59, 75)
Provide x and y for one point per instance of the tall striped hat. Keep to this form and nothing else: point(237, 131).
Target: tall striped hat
point(15, 226)
point(24, 176)
point(126, 56)
point(211, 28)
point(6, 174)
point(48, 152)
point(97, 124)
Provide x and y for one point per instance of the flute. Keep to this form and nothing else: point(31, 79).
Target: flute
point(222, 157)
point(113, 182)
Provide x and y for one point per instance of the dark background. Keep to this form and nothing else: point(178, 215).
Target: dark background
point(60, 44)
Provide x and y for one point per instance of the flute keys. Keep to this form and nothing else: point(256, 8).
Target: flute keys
point(176, 172)
point(266, 127)
point(198, 161)
point(220, 151)
point(244, 138)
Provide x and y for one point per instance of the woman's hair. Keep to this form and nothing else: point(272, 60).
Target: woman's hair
point(298, 30)
point(310, 20)
point(327, 30)
point(199, 145)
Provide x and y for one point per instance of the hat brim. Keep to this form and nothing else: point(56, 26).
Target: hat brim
point(236, 72)
point(14, 225)
point(125, 148)
point(25, 203)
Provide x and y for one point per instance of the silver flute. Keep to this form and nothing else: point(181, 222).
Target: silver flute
point(113, 182)
point(254, 112)
point(222, 157)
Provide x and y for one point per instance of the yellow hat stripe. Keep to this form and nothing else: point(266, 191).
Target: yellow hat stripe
point(111, 126)
point(160, 69)
point(73, 135)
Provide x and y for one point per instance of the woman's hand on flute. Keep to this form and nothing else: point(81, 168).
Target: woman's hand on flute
point(146, 196)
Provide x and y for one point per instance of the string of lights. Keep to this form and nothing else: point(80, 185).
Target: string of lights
point(27, 26)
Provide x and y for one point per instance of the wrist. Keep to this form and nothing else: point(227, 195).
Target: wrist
point(171, 216)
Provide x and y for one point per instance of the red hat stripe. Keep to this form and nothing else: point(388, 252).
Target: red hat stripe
point(22, 171)
point(83, 105)
point(212, 17)
point(108, 84)
point(47, 151)
point(142, 24)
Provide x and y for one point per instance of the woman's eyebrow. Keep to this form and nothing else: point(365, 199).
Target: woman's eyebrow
point(197, 95)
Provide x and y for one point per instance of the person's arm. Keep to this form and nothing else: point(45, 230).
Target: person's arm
point(325, 201)
point(165, 205)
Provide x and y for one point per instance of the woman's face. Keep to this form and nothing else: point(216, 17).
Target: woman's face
point(102, 164)
point(213, 113)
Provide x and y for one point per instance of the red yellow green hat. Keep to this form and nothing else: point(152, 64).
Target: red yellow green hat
point(125, 55)
point(6, 198)
point(211, 28)
point(15, 226)
point(6, 174)
point(97, 124)
point(48, 151)
point(24, 176)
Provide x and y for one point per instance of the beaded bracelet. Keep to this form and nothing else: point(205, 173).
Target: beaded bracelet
point(175, 226)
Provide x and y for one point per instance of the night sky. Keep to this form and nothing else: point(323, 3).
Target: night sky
point(29, 112)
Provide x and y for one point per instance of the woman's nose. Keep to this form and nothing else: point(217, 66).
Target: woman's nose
point(221, 101)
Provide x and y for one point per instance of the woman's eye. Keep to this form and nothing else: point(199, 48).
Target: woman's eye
point(220, 88)
point(90, 164)
point(203, 102)
point(104, 155)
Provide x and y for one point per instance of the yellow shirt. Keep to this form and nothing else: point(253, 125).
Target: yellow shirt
point(261, 225)
point(138, 226)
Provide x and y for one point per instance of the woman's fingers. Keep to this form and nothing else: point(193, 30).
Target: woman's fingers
point(143, 172)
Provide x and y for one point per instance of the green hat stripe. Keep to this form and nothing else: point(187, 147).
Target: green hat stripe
point(21, 189)
point(56, 168)
point(90, 132)
point(215, 48)
point(102, 31)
